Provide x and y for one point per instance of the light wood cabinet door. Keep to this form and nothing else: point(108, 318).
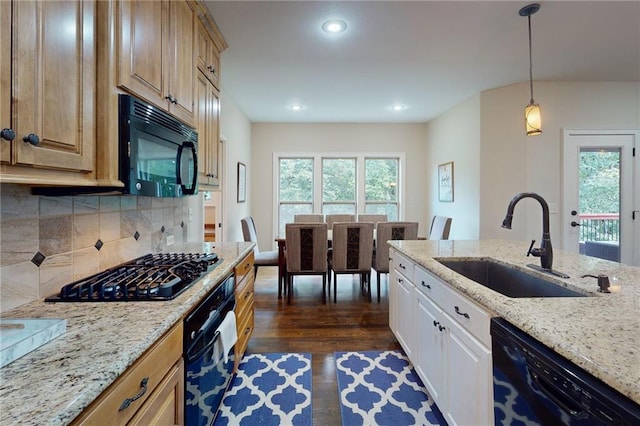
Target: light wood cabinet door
point(54, 80)
point(207, 124)
point(5, 82)
point(207, 55)
point(166, 405)
point(182, 70)
point(156, 51)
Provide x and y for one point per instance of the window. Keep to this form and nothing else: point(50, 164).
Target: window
point(337, 184)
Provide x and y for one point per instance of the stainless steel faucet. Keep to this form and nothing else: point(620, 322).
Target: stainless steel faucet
point(545, 251)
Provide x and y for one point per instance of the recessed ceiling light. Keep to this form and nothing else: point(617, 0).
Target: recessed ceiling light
point(334, 26)
point(296, 107)
point(398, 107)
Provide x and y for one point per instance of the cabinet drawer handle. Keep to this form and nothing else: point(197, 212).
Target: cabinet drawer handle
point(402, 266)
point(435, 323)
point(32, 138)
point(128, 401)
point(8, 134)
point(441, 327)
point(400, 280)
point(464, 314)
point(426, 285)
point(247, 294)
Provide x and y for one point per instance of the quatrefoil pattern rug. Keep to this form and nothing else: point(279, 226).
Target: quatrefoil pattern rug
point(269, 389)
point(382, 388)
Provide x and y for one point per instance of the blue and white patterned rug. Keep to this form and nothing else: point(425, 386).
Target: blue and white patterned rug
point(382, 388)
point(269, 389)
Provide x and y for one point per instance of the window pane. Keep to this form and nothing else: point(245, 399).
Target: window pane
point(338, 208)
point(391, 210)
point(381, 179)
point(288, 211)
point(338, 179)
point(296, 179)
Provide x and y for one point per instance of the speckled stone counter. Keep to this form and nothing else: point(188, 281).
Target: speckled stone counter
point(601, 333)
point(55, 382)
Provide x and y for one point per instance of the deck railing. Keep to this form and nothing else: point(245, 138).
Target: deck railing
point(599, 227)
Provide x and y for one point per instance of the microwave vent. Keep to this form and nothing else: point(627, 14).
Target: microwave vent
point(153, 115)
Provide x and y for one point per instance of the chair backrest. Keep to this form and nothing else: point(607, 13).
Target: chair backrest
point(308, 218)
point(306, 247)
point(333, 218)
point(440, 227)
point(373, 218)
point(352, 246)
point(249, 232)
point(386, 231)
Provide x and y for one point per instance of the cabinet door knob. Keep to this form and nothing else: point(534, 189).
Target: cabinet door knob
point(435, 323)
point(32, 138)
point(8, 134)
point(440, 327)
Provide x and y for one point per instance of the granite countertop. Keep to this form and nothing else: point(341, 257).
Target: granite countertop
point(56, 382)
point(601, 333)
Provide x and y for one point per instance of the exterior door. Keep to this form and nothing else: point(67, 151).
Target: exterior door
point(601, 195)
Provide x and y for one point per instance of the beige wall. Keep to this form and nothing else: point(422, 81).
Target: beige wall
point(268, 138)
point(235, 129)
point(494, 159)
point(455, 136)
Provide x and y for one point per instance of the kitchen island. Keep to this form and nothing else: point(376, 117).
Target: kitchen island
point(56, 382)
point(599, 333)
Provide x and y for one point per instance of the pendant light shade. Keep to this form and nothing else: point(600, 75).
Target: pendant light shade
point(532, 114)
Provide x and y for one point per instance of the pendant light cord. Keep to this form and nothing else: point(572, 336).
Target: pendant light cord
point(530, 63)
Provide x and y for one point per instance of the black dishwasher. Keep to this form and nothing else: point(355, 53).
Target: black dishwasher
point(534, 385)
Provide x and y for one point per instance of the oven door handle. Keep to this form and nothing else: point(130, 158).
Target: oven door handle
point(190, 357)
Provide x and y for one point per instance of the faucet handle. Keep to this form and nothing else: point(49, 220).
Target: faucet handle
point(603, 282)
point(529, 252)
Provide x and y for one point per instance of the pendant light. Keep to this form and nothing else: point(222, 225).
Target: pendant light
point(532, 118)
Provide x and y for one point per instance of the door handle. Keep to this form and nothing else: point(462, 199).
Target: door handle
point(574, 223)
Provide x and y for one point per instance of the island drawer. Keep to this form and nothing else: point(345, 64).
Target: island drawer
point(466, 313)
point(403, 265)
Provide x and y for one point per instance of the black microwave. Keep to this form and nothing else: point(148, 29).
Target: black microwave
point(158, 153)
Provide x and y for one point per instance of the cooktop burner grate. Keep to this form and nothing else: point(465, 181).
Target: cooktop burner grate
point(161, 276)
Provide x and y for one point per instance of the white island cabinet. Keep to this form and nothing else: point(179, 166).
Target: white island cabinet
point(446, 337)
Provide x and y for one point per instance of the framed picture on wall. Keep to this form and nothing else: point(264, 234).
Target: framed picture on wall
point(445, 182)
point(242, 182)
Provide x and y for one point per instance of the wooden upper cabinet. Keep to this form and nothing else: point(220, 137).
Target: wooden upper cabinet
point(5, 83)
point(208, 115)
point(156, 52)
point(207, 56)
point(53, 69)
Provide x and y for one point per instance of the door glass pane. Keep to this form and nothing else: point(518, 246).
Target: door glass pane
point(599, 201)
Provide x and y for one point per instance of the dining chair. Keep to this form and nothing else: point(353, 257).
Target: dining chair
point(308, 218)
point(373, 218)
point(262, 258)
point(352, 253)
point(386, 231)
point(306, 253)
point(440, 227)
point(333, 218)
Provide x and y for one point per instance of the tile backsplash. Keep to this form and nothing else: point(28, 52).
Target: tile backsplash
point(47, 242)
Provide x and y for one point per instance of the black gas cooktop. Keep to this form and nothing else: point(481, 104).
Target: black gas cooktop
point(161, 276)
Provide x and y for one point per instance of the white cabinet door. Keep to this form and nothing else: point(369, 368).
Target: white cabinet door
point(406, 309)
point(430, 346)
point(469, 381)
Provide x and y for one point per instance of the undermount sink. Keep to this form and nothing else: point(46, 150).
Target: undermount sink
point(507, 280)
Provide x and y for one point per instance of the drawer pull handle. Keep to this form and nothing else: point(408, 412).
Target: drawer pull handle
point(400, 280)
point(128, 401)
point(402, 266)
point(464, 314)
point(435, 323)
point(426, 285)
point(247, 294)
point(440, 327)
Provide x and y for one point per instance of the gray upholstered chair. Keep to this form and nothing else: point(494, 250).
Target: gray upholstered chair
point(352, 252)
point(373, 218)
point(440, 227)
point(306, 253)
point(262, 258)
point(333, 218)
point(308, 218)
point(386, 231)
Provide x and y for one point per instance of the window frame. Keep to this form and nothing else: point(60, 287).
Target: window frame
point(317, 157)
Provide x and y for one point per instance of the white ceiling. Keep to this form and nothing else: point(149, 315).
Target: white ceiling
point(427, 55)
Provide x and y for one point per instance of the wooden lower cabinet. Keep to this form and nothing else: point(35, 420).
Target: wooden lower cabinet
point(244, 305)
point(153, 386)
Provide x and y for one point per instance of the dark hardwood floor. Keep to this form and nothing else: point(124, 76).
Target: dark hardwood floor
point(308, 325)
